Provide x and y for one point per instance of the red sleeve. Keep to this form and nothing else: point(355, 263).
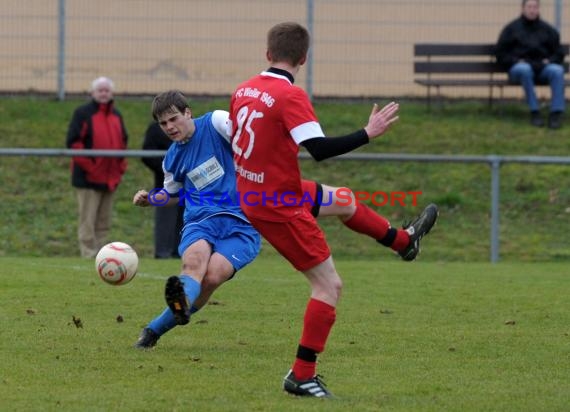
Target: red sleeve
point(78, 142)
point(298, 109)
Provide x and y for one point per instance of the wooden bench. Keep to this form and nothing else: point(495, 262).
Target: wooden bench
point(437, 65)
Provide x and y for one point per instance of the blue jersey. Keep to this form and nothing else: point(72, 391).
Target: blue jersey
point(201, 171)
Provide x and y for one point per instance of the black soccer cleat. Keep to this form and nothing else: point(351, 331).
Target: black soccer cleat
point(417, 229)
point(314, 387)
point(176, 300)
point(147, 339)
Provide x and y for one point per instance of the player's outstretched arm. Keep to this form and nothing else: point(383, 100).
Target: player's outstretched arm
point(157, 197)
point(379, 122)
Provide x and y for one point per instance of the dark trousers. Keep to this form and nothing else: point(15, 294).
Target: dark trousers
point(167, 227)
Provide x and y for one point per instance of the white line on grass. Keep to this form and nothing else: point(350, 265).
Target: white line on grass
point(151, 276)
point(89, 266)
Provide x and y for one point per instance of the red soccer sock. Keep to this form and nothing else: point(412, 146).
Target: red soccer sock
point(368, 222)
point(304, 370)
point(401, 241)
point(318, 322)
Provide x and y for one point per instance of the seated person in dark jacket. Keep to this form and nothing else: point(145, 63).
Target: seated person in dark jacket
point(167, 220)
point(529, 50)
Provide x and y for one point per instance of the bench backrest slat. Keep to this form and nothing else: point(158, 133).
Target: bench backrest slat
point(457, 67)
point(456, 49)
point(461, 67)
point(452, 49)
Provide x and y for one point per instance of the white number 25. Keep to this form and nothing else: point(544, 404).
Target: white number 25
point(243, 118)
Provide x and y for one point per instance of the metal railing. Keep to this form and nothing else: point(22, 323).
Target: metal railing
point(494, 161)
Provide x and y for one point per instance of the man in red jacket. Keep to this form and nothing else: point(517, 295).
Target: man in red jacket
point(96, 125)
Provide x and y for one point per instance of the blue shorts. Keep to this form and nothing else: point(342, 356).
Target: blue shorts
point(231, 237)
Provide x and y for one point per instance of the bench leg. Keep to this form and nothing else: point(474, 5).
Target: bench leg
point(501, 100)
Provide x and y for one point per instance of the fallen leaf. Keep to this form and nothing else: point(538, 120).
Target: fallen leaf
point(77, 322)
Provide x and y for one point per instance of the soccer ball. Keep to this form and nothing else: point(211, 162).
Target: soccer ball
point(116, 263)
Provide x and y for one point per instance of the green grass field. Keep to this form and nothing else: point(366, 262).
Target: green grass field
point(425, 336)
point(449, 332)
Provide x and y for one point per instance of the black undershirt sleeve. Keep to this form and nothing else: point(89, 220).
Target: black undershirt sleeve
point(321, 148)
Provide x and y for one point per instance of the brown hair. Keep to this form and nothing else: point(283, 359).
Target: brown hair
point(168, 101)
point(288, 42)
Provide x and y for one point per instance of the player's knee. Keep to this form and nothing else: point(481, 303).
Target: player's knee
point(218, 273)
point(210, 283)
point(193, 261)
point(328, 291)
point(214, 279)
point(334, 288)
point(338, 288)
point(347, 200)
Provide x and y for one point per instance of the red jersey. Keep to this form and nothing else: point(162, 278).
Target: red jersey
point(269, 118)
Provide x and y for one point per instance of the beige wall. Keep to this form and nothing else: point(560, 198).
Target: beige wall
point(361, 47)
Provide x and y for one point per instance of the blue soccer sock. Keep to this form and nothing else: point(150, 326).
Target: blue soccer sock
point(191, 288)
point(194, 309)
point(163, 322)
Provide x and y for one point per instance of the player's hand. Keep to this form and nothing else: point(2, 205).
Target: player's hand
point(381, 120)
point(141, 198)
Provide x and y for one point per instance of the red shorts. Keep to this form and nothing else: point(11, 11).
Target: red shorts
point(299, 240)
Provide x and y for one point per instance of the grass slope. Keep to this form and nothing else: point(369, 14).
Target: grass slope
point(421, 337)
point(38, 207)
